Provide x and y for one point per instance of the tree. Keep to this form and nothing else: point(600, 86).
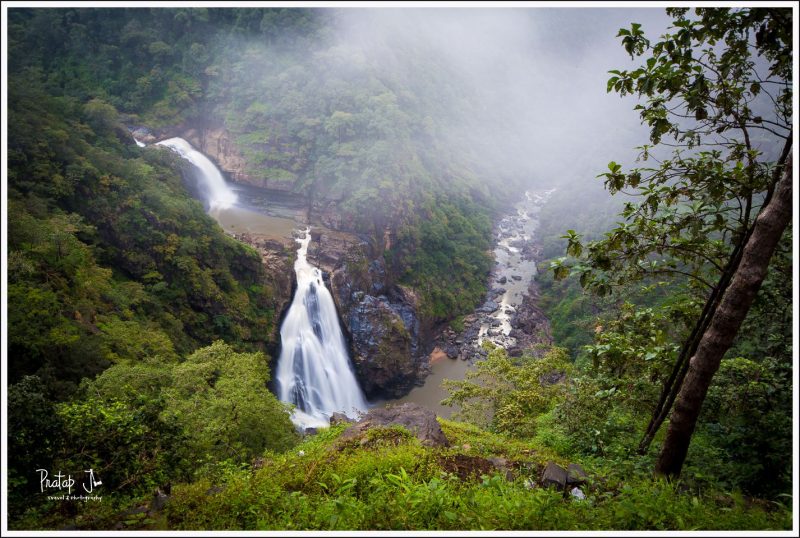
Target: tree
point(717, 92)
point(507, 395)
point(221, 401)
point(727, 319)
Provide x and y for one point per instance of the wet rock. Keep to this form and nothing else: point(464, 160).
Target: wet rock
point(381, 322)
point(488, 307)
point(502, 280)
point(381, 343)
point(451, 350)
point(576, 476)
point(143, 134)
point(310, 431)
point(417, 419)
point(516, 277)
point(339, 418)
point(554, 476)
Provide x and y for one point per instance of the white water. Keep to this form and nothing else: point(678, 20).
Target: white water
point(314, 371)
point(219, 195)
point(139, 142)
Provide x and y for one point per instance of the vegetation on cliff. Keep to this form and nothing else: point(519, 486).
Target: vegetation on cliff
point(307, 113)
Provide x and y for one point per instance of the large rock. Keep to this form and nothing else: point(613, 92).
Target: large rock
point(418, 419)
point(554, 476)
point(379, 319)
point(381, 343)
point(576, 476)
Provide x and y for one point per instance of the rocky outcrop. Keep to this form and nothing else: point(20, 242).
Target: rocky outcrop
point(277, 257)
point(217, 144)
point(419, 420)
point(530, 326)
point(379, 318)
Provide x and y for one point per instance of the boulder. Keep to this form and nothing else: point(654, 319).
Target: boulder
point(339, 418)
point(417, 419)
point(554, 476)
point(576, 476)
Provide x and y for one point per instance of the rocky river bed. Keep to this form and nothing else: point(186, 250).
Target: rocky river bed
point(510, 317)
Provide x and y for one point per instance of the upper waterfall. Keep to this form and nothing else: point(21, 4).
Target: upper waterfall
point(219, 195)
point(314, 370)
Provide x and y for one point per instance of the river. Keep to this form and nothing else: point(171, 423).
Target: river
point(515, 269)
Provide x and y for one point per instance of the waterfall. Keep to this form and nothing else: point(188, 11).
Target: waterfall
point(213, 185)
point(314, 370)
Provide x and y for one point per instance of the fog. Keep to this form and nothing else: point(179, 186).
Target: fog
point(538, 75)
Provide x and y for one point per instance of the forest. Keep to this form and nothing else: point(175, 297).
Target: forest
point(143, 337)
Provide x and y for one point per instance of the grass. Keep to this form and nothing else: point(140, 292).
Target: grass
point(388, 481)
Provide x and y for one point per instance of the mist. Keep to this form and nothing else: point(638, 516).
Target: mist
point(538, 77)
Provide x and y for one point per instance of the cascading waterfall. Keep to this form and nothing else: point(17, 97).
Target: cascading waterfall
point(217, 192)
point(314, 371)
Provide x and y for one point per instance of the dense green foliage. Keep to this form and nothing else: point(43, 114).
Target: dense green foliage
point(338, 124)
point(142, 424)
point(109, 258)
point(673, 248)
point(388, 481)
point(136, 326)
point(507, 395)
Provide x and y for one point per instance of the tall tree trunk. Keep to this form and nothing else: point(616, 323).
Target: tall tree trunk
point(674, 383)
point(717, 339)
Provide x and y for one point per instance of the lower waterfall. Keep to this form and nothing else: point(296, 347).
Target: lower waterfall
point(314, 371)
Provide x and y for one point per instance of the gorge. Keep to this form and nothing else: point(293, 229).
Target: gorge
point(314, 370)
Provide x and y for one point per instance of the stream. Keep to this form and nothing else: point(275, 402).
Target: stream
point(514, 271)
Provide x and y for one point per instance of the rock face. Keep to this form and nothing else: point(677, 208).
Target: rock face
point(216, 143)
point(379, 319)
point(276, 257)
point(529, 324)
point(416, 418)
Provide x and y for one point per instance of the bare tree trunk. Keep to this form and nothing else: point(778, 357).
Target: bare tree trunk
point(717, 339)
point(674, 383)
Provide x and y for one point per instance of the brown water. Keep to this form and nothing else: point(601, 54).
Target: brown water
point(240, 220)
point(431, 393)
